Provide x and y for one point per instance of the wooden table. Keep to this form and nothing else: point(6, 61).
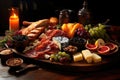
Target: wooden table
point(112, 73)
point(45, 73)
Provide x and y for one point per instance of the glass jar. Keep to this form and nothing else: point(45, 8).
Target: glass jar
point(64, 16)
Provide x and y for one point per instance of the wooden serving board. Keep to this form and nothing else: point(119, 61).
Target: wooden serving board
point(107, 61)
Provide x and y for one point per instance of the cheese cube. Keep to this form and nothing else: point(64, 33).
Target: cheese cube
point(96, 58)
point(77, 57)
point(87, 55)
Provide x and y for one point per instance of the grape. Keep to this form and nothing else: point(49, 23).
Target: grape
point(82, 33)
point(98, 31)
point(61, 57)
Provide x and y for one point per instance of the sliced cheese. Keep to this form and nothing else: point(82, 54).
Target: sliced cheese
point(77, 57)
point(96, 58)
point(87, 55)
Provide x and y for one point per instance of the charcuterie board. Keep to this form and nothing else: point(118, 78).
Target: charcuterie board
point(107, 61)
point(70, 46)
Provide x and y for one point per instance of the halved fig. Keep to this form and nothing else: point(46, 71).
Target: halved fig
point(103, 49)
point(91, 46)
point(112, 46)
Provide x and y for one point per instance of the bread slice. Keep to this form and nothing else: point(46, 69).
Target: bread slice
point(96, 58)
point(87, 55)
point(77, 57)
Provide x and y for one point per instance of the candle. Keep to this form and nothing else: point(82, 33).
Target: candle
point(13, 21)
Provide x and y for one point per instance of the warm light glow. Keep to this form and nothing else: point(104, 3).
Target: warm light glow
point(13, 21)
point(14, 16)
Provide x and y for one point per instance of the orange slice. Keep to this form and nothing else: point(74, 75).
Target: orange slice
point(99, 42)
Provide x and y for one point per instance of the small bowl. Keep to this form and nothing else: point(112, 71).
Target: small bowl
point(5, 55)
point(20, 42)
point(79, 42)
point(14, 62)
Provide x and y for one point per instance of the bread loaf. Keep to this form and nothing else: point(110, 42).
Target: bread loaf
point(33, 34)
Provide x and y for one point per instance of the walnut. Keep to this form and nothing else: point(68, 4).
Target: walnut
point(70, 49)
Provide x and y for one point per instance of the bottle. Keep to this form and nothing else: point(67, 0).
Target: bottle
point(84, 14)
point(64, 16)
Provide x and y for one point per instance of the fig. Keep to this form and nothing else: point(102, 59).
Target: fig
point(91, 46)
point(103, 49)
point(111, 46)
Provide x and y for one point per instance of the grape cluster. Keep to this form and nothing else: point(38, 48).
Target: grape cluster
point(82, 33)
point(62, 57)
point(97, 31)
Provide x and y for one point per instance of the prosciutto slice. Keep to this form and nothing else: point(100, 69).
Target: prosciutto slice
point(46, 45)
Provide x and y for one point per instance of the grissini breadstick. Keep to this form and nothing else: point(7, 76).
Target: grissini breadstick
point(26, 23)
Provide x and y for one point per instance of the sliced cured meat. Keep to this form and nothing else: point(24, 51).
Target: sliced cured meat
point(54, 33)
point(32, 54)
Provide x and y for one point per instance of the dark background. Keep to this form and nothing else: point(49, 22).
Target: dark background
point(32, 10)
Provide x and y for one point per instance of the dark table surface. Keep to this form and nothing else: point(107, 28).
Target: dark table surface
point(112, 73)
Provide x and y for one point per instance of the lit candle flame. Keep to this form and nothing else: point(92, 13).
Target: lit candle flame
point(14, 15)
point(14, 21)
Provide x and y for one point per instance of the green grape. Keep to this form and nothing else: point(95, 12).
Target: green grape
point(63, 54)
point(59, 53)
point(92, 33)
point(96, 28)
point(59, 56)
point(86, 28)
point(56, 57)
point(101, 26)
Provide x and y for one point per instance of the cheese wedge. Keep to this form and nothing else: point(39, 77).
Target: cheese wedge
point(77, 57)
point(96, 58)
point(87, 55)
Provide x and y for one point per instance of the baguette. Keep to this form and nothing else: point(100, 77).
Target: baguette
point(27, 23)
point(43, 22)
point(33, 34)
